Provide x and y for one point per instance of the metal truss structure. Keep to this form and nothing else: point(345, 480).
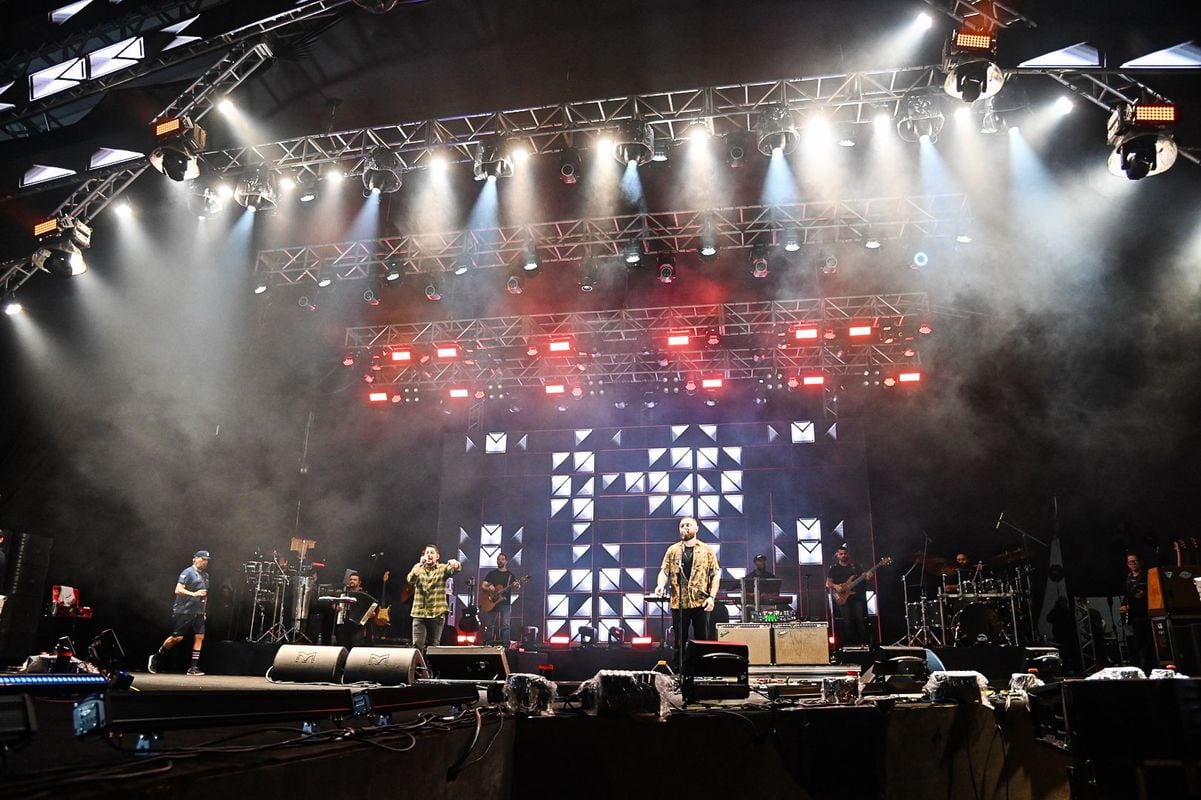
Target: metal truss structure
point(851, 97)
point(100, 188)
point(998, 15)
point(815, 224)
point(616, 348)
point(52, 112)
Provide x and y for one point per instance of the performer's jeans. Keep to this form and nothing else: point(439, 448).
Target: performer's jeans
point(683, 619)
point(497, 624)
point(851, 623)
point(427, 631)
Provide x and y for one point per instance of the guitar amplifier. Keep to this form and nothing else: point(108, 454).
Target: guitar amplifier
point(755, 635)
point(1172, 589)
point(799, 643)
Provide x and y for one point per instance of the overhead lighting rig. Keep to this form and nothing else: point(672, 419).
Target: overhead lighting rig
point(491, 161)
point(969, 60)
point(257, 191)
point(1141, 137)
point(919, 116)
point(635, 143)
point(776, 132)
point(61, 242)
point(181, 142)
point(383, 172)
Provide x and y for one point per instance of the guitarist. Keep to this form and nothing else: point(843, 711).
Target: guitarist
point(497, 621)
point(852, 615)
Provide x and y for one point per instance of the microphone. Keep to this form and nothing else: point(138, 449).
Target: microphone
point(999, 521)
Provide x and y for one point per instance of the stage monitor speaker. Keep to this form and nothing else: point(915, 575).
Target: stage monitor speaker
point(389, 666)
point(28, 563)
point(468, 663)
point(715, 671)
point(801, 643)
point(308, 663)
point(755, 635)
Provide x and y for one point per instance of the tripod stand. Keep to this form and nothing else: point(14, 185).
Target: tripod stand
point(923, 634)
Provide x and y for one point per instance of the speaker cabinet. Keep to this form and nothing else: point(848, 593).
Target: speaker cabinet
point(755, 635)
point(715, 671)
point(390, 666)
point(799, 643)
point(468, 663)
point(28, 563)
point(304, 663)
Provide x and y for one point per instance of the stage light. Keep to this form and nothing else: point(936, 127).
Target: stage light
point(226, 106)
point(919, 261)
point(531, 262)
point(968, 61)
point(433, 288)
point(667, 269)
point(859, 331)
point(710, 401)
point(1142, 140)
point(182, 141)
point(830, 265)
point(963, 238)
point(1063, 106)
point(712, 337)
point(882, 121)
point(923, 21)
point(334, 175)
point(872, 242)
point(712, 383)
point(759, 261)
point(447, 351)
point(287, 183)
point(257, 191)
point(813, 380)
point(559, 346)
point(490, 162)
point(587, 275)
point(377, 397)
point(371, 296)
point(707, 246)
point(403, 355)
point(554, 388)
point(60, 247)
point(261, 288)
point(383, 172)
point(635, 143)
point(394, 273)
point(587, 635)
point(690, 387)
point(736, 149)
point(679, 339)
point(909, 377)
point(925, 329)
point(792, 240)
point(123, 209)
point(569, 166)
point(661, 153)
point(806, 334)
point(458, 394)
point(325, 276)
point(559, 640)
point(206, 203)
point(963, 114)
point(775, 133)
point(439, 161)
point(12, 307)
point(304, 302)
point(518, 150)
point(307, 183)
point(632, 252)
point(919, 116)
point(467, 261)
point(648, 400)
point(641, 641)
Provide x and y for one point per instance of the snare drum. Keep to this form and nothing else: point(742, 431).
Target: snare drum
point(993, 587)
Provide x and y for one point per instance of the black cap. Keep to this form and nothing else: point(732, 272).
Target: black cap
point(202, 554)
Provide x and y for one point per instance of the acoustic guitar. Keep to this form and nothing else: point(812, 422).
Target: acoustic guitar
point(490, 600)
point(842, 592)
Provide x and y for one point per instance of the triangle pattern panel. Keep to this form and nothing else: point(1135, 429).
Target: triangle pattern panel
point(713, 526)
point(654, 454)
point(681, 458)
point(780, 556)
point(737, 573)
point(709, 505)
point(681, 505)
point(803, 433)
point(832, 432)
point(772, 434)
point(553, 577)
point(556, 605)
point(631, 604)
point(519, 536)
point(581, 509)
point(584, 461)
point(488, 554)
point(706, 458)
point(557, 459)
point(470, 445)
point(616, 439)
point(608, 479)
point(734, 453)
point(491, 534)
point(653, 502)
point(516, 561)
point(614, 550)
point(558, 628)
point(604, 607)
point(581, 580)
point(657, 483)
point(703, 486)
point(463, 536)
point(638, 626)
point(809, 551)
point(579, 551)
point(635, 482)
point(496, 443)
point(524, 442)
point(586, 488)
point(776, 530)
point(677, 431)
point(582, 434)
point(839, 531)
point(684, 484)
point(809, 528)
point(610, 580)
point(557, 505)
point(560, 485)
point(871, 603)
point(462, 557)
point(637, 575)
point(578, 529)
point(581, 607)
point(709, 430)
point(731, 481)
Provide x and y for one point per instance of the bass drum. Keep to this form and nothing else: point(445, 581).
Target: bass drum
point(977, 624)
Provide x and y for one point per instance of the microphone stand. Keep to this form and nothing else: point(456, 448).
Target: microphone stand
point(1027, 589)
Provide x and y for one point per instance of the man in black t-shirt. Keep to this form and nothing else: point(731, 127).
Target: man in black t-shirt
point(354, 632)
point(497, 622)
point(850, 618)
point(188, 611)
point(1134, 612)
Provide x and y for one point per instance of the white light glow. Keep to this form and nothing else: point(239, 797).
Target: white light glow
point(1063, 106)
point(287, 184)
point(923, 22)
point(225, 106)
point(963, 114)
point(225, 191)
point(123, 209)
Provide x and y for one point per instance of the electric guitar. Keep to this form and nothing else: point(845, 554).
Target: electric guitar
point(842, 592)
point(490, 600)
point(383, 613)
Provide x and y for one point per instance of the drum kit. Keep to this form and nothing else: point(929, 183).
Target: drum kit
point(976, 604)
point(272, 582)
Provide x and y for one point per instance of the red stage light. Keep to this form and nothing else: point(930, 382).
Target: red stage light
point(909, 377)
point(641, 641)
point(531, 351)
point(378, 397)
point(402, 355)
point(806, 334)
point(859, 330)
point(560, 346)
point(459, 394)
point(560, 641)
point(555, 388)
point(450, 351)
point(348, 360)
point(813, 380)
point(794, 382)
point(465, 638)
point(678, 339)
point(711, 383)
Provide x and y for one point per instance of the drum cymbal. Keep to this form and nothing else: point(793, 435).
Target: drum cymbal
point(932, 562)
point(1008, 557)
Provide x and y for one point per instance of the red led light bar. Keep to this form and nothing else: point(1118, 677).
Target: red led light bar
point(465, 638)
point(859, 330)
point(641, 641)
point(555, 388)
point(806, 333)
point(450, 351)
point(966, 40)
point(402, 355)
point(1155, 113)
point(560, 640)
point(909, 377)
point(459, 393)
point(678, 339)
point(45, 226)
point(166, 126)
point(711, 383)
point(813, 380)
point(378, 397)
point(560, 346)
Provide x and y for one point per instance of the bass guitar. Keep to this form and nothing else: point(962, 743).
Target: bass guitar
point(490, 600)
point(842, 592)
point(383, 614)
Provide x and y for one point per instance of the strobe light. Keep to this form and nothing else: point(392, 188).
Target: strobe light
point(969, 62)
point(776, 133)
point(635, 143)
point(257, 191)
point(491, 161)
point(1142, 141)
point(181, 142)
point(60, 248)
point(382, 173)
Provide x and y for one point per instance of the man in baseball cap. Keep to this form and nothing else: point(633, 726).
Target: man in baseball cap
point(188, 612)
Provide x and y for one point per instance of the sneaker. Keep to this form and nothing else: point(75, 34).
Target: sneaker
point(152, 665)
point(194, 671)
